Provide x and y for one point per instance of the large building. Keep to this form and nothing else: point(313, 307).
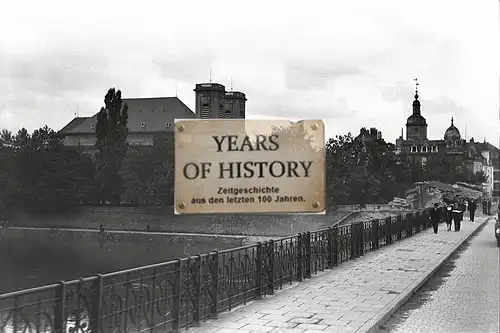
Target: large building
point(150, 116)
point(471, 155)
point(420, 147)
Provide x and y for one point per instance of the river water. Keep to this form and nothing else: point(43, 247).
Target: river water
point(39, 257)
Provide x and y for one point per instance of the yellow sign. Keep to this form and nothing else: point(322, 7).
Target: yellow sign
point(249, 166)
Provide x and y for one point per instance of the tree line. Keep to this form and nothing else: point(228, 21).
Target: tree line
point(38, 173)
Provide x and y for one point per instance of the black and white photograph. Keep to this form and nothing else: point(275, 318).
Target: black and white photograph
point(215, 166)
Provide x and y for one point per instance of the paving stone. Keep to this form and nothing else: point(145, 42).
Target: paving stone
point(318, 327)
point(253, 321)
point(280, 324)
point(305, 320)
point(287, 330)
point(257, 328)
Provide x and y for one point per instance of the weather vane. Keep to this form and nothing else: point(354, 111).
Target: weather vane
point(416, 85)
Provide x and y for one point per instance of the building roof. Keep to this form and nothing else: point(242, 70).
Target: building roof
point(452, 133)
point(485, 146)
point(144, 115)
point(416, 119)
point(72, 124)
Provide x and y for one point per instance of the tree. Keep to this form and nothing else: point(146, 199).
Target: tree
point(160, 187)
point(43, 174)
point(111, 142)
point(148, 172)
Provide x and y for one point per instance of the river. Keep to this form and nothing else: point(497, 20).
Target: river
point(31, 258)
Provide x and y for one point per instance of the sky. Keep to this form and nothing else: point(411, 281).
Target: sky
point(351, 63)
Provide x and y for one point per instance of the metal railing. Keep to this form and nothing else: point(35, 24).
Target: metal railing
point(178, 294)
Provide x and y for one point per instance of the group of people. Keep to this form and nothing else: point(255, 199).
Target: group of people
point(486, 206)
point(454, 212)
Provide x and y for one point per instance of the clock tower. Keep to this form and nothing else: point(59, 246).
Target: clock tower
point(416, 125)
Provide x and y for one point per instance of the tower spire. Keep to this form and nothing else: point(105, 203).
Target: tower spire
point(452, 120)
point(416, 88)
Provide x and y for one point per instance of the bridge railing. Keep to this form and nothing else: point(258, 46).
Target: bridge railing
point(178, 294)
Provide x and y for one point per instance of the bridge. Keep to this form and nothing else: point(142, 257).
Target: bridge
point(344, 278)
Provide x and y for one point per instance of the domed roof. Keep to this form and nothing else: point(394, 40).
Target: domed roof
point(452, 133)
point(416, 119)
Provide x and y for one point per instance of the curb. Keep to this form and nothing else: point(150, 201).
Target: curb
point(373, 325)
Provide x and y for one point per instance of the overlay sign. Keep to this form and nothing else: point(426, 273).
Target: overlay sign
point(249, 166)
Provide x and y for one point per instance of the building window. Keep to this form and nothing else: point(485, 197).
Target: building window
point(228, 114)
point(414, 149)
point(205, 111)
point(167, 125)
point(434, 149)
point(143, 125)
point(424, 149)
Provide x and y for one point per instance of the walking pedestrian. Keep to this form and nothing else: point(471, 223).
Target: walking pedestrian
point(472, 210)
point(488, 203)
point(484, 206)
point(448, 217)
point(456, 216)
point(435, 217)
point(462, 209)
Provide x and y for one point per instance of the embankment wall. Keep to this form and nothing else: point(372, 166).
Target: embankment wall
point(163, 220)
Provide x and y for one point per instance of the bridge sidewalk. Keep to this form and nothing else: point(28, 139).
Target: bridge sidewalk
point(356, 296)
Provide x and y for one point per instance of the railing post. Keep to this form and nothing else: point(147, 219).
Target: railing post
point(352, 242)
point(375, 234)
point(409, 226)
point(335, 238)
point(214, 272)
point(59, 317)
point(388, 230)
point(361, 239)
point(400, 226)
point(330, 247)
point(258, 269)
point(177, 299)
point(95, 316)
point(197, 302)
point(300, 249)
point(272, 268)
point(415, 222)
point(308, 255)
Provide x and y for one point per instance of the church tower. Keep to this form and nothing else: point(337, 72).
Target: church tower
point(416, 125)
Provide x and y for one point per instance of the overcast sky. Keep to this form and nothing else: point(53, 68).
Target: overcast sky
point(349, 62)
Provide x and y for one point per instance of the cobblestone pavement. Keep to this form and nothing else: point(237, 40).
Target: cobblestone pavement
point(464, 296)
point(352, 296)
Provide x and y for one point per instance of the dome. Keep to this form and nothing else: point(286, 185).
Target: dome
point(452, 133)
point(416, 119)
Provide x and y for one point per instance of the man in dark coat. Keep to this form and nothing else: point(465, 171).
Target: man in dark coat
point(462, 208)
point(435, 217)
point(488, 207)
point(456, 212)
point(472, 210)
point(484, 206)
